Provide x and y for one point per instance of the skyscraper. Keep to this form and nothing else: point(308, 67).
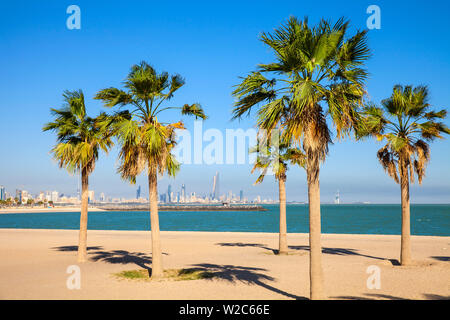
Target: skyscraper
point(183, 193)
point(216, 190)
point(138, 193)
point(241, 195)
point(19, 195)
point(169, 193)
point(55, 196)
point(91, 195)
point(2, 193)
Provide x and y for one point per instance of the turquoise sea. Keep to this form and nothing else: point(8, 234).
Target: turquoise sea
point(354, 219)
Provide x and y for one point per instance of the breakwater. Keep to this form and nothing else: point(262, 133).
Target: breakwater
point(145, 207)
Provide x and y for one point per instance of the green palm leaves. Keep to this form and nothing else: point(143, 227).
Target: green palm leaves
point(146, 142)
point(406, 123)
point(276, 159)
point(313, 65)
point(79, 137)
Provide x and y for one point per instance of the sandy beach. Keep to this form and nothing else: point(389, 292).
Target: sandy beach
point(42, 209)
point(34, 263)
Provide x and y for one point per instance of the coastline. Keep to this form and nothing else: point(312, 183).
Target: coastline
point(34, 264)
point(55, 209)
point(181, 208)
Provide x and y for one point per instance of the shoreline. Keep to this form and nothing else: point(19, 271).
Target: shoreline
point(45, 210)
point(230, 232)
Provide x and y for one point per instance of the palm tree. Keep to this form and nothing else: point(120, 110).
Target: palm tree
point(406, 123)
point(145, 141)
point(316, 67)
point(277, 159)
point(79, 138)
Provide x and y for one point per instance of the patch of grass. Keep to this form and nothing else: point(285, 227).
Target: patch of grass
point(134, 274)
point(170, 274)
point(187, 274)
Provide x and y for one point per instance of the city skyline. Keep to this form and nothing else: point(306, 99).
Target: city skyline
point(52, 53)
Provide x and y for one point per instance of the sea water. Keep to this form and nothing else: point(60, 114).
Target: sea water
point(353, 219)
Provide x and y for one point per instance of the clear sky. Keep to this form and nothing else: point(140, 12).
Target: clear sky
point(210, 44)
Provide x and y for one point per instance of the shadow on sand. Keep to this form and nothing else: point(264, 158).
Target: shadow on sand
point(139, 259)
point(247, 275)
point(441, 258)
point(377, 296)
point(335, 251)
point(230, 273)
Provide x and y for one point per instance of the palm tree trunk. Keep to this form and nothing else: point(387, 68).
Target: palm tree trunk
point(405, 252)
point(82, 238)
point(157, 269)
point(315, 253)
point(283, 247)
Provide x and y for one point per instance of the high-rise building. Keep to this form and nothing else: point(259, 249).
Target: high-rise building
point(241, 195)
point(102, 197)
point(19, 195)
point(55, 196)
point(169, 193)
point(138, 193)
point(2, 193)
point(337, 198)
point(183, 193)
point(216, 190)
point(91, 194)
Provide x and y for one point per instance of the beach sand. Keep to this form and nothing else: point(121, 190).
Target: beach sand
point(42, 209)
point(33, 265)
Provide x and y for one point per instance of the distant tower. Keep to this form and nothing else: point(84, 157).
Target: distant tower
point(169, 193)
point(138, 193)
point(2, 193)
point(337, 199)
point(183, 193)
point(216, 190)
point(241, 195)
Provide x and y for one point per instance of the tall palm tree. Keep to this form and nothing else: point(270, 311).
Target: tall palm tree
point(406, 122)
point(79, 138)
point(146, 143)
point(277, 159)
point(319, 71)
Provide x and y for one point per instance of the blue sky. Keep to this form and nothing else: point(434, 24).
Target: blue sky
point(210, 44)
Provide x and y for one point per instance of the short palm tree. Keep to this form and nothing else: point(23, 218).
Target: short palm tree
point(277, 159)
point(406, 123)
point(80, 138)
point(146, 143)
point(315, 67)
